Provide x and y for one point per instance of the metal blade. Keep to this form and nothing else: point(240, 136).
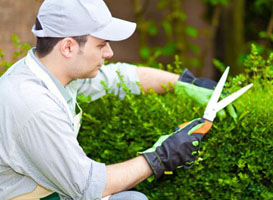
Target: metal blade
point(216, 93)
point(224, 102)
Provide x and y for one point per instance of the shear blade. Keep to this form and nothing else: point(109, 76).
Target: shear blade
point(217, 92)
point(224, 102)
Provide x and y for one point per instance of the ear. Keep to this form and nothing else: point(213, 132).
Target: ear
point(68, 47)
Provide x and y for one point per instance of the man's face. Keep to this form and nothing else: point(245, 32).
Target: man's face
point(91, 56)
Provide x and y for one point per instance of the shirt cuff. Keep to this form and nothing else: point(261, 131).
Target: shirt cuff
point(96, 181)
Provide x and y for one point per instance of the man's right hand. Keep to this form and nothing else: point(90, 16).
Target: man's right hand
point(176, 149)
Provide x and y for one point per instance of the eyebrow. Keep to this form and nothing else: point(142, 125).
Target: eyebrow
point(103, 42)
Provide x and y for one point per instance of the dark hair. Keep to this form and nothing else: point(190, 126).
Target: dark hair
point(45, 45)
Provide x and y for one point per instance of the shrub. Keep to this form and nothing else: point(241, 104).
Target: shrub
point(236, 158)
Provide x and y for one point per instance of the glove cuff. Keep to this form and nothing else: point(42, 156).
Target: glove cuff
point(155, 164)
point(187, 77)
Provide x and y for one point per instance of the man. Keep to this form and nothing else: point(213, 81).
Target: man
point(39, 152)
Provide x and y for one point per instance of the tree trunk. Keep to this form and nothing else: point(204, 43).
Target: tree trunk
point(233, 34)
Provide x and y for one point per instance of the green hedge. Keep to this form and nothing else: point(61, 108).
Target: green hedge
point(236, 159)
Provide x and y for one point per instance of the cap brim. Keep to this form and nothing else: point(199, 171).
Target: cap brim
point(117, 30)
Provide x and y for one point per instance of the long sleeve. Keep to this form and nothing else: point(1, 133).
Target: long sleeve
point(49, 153)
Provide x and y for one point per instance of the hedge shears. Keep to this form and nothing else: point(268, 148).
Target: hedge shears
point(180, 149)
point(199, 127)
point(214, 106)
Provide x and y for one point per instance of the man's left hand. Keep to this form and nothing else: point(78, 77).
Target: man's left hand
point(200, 90)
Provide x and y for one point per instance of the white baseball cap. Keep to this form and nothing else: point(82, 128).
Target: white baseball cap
point(70, 18)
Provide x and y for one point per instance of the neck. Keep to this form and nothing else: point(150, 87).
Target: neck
point(56, 66)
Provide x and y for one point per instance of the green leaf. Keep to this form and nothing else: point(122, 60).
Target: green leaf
point(167, 27)
point(15, 39)
point(191, 31)
point(219, 65)
point(182, 16)
point(152, 29)
point(169, 49)
point(145, 52)
point(2, 55)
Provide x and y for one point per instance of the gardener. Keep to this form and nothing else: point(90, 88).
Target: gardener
point(40, 118)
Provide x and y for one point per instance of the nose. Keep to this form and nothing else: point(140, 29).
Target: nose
point(107, 51)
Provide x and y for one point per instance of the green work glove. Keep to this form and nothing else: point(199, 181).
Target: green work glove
point(177, 149)
point(200, 90)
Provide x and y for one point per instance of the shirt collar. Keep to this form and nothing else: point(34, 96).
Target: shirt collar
point(60, 87)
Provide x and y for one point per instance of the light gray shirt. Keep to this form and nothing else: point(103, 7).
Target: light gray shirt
point(37, 140)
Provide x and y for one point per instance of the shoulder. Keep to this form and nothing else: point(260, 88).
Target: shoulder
point(22, 94)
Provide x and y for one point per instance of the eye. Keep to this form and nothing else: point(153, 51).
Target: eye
point(102, 45)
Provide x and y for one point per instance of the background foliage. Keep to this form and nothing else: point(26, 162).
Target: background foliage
point(20, 50)
point(231, 27)
point(165, 29)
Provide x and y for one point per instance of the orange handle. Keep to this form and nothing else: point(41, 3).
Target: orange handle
point(202, 130)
